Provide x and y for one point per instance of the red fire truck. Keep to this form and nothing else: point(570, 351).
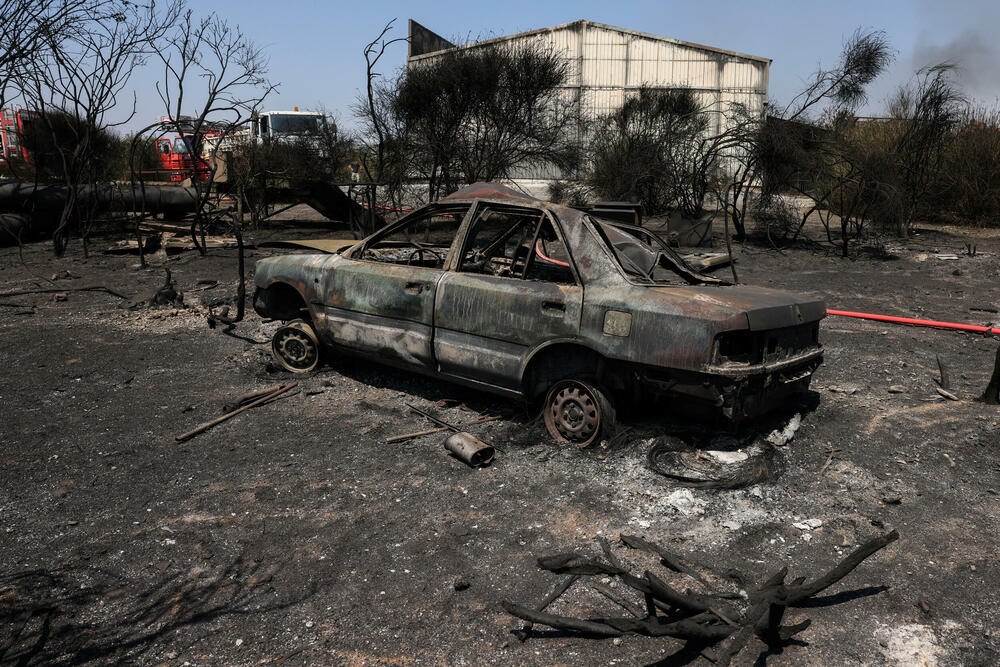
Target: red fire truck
point(179, 154)
point(12, 126)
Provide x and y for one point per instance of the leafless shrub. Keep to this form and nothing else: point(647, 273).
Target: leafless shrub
point(570, 193)
point(83, 72)
point(382, 147)
point(29, 27)
point(814, 158)
point(968, 187)
point(212, 62)
point(864, 56)
point(473, 114)
point(774, 218)
point(645, 150)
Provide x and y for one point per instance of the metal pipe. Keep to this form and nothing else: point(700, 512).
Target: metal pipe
point(469, 450)
point(30, 211)
point(38, 198)
point(916, 322)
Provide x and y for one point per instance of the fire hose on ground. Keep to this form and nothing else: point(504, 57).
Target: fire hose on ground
point(916, 322)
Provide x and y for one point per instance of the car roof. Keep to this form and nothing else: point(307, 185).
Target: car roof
point(490, 191)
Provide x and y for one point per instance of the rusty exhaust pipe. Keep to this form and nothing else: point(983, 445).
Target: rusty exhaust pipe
point(470, 450)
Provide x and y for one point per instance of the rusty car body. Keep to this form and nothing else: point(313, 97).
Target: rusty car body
point(496, 290)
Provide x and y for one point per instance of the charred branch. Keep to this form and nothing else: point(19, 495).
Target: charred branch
point(699, 617)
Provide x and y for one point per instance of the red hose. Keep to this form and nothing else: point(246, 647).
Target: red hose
point(538, 251)
point(910, 320)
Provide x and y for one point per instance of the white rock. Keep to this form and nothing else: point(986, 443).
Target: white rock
point(684, 502)
point(728, 458)
point(910, 644)
point(785, 435)
point(808, 524)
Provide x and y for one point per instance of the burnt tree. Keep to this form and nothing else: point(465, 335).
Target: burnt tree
point(992, 394)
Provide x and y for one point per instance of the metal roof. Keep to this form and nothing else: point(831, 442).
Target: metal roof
point(603, 26)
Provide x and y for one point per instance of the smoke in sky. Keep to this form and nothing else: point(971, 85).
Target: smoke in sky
point(975, 56)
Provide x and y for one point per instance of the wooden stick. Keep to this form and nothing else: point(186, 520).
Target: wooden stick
point(439, 422)
point(560, 588)
point(565, 622)
point(229, 415)
point(671, 560)
point(617, 599)
point(947, 394)
point(944, 382)
point(93, 288)
point(163, 227)
point(734, 643)
point(243, 399)
point(829, 460)
point(845, 567)
point(417, 434)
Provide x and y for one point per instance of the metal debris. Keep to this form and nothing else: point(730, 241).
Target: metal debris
point(469, 449)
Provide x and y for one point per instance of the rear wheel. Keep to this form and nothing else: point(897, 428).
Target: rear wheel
point(578, 410)
point(296, 347)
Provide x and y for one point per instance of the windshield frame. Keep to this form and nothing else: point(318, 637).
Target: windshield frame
point(298, 120)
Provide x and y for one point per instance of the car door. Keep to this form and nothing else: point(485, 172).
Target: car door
point(379, 298)
point(501, 302)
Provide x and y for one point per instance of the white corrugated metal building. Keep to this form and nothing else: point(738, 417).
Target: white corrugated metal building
point(606, 63)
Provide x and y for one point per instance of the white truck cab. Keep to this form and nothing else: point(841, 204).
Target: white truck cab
point(286, 125)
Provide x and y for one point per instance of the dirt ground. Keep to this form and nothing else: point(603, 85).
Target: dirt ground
point(293, 533)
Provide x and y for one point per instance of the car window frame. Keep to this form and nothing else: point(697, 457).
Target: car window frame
point(479, 205)
point(356, 252)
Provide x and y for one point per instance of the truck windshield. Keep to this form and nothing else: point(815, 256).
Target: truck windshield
point(645, 256)
point(294, 124)
point(182, 146)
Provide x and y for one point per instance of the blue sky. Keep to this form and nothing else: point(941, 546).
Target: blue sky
point(315, 47)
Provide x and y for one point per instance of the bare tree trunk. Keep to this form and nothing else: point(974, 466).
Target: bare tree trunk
point(729, 245)
point(992, 394)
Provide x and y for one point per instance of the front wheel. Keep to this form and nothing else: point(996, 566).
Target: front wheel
point(296, 347)
point(579, 411)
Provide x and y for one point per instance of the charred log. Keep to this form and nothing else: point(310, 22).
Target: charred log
point(707, 617)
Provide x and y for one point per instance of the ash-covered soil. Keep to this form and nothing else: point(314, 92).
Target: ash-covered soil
point(293, 533)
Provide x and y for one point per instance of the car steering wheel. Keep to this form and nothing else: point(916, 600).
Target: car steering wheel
point(419, 253)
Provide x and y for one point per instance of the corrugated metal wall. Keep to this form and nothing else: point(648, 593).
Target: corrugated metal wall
point(608, 63)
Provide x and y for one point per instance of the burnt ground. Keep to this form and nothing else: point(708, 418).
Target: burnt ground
point(293, 533)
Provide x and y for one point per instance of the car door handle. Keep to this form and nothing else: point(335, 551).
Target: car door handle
point(553, 307)
point(415, 288)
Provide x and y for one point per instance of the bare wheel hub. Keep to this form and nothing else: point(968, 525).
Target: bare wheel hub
point(572, 413)
point(295, 345)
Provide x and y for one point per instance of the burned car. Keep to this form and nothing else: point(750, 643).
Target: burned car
point(495, 290)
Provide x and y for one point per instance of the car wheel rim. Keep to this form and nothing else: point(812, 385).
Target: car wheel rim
point(296, 349)
point(572, 414)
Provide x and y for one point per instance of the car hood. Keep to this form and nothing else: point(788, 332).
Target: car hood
point(764, 308)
